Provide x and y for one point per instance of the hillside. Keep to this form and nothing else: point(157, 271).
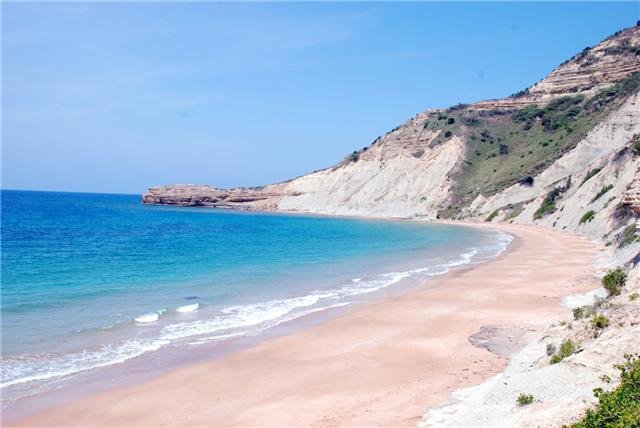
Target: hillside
point(562, 153)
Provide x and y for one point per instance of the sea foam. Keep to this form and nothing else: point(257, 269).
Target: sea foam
point(188, 308)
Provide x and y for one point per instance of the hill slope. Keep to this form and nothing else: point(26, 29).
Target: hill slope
point(563, 153)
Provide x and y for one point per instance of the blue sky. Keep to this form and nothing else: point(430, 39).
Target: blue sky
point(116, 97)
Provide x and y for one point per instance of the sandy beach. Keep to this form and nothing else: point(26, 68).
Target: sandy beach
point(382, 364)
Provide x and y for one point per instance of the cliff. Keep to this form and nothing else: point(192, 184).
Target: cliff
point(562, 153)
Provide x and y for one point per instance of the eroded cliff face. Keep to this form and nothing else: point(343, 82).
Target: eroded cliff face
point(594, 68)
point(540, 156)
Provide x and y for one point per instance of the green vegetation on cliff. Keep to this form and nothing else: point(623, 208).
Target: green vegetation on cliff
point(504, 146)
point(620, 407)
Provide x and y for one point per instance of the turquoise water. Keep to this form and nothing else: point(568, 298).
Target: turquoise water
point(93, 280)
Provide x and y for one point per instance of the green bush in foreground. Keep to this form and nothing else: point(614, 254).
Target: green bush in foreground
point(524, 399)
point(600, 321)
point(620, 407)
point(614, 280)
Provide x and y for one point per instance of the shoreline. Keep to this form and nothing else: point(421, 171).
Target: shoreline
point(403, 361)
point(399, 278)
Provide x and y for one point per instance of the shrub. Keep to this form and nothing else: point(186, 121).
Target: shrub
point(353, 157)
point(634, 296)
point(635, 143)
point(582, 312)
point(614, 280)
point(526, 181)
point(620, 407)
point(590, 174)
point(602, 191)
point(629, 235)
point(600, 321)
point(451, 121)
point(548, 205)
point(566, 349)
point(588, 216)
point(447, 134)
point(524, 399)
point(493, 215)
point(555, 359)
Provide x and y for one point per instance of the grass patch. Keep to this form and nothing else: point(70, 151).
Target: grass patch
point(620, 407)
point(634, 296)
point(588, 216)
point(524, 399)
point(602, 191)
point(614, 280)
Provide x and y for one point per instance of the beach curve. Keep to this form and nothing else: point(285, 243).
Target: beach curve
point(382, 364)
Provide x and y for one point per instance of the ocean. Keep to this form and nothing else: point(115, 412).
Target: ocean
point(92, 281)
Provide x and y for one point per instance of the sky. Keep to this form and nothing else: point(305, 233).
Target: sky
point(117, 97)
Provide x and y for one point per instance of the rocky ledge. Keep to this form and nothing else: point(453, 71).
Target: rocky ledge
point(202, 195)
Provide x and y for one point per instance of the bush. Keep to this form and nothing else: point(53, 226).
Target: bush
point(566, 349)
point(526, 181)
point(451, 121)
point(633, 296)
point(524, 399)
point(629, 235)
point(588, 216)
point(493, 215)
point(620, 407)
point(582, 312)
point(590, 174)
point(602, 191)
point(635, 143)
point(353, 157)
point(614, 280)
point(600, 321)
point(555, 359)
point(447, 134)
point(548, 205)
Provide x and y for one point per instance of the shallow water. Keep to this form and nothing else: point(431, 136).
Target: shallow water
point(92, 280)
